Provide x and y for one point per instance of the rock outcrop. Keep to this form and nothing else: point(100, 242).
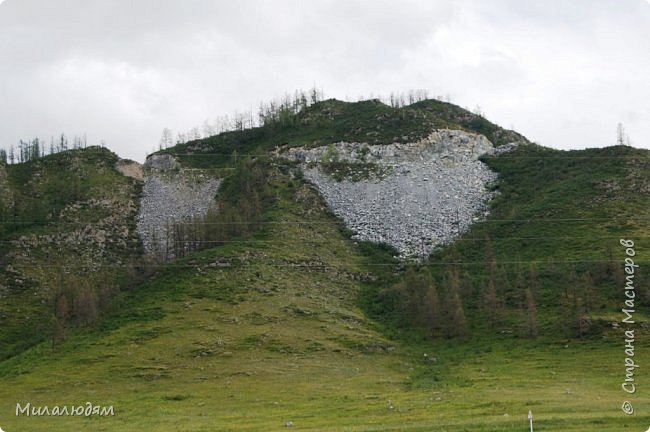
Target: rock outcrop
point(444, 144)
point(161, 162)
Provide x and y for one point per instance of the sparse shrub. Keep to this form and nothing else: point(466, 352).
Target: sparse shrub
point(354, 171)
point(330, 155)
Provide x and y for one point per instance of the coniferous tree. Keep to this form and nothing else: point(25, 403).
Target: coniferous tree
point(433, 313)
point(63, 143)
point(493, 305)
point(490, 260)
point(181, 138)
point(35, 149)
point(519, 294)
point(531, 315)
point(574, 321)
point(58, 331)
point(466, 287)
point(503, 285)
point(620, 134)
point(85, 303)
point(588, 293)
point(62, 309)
point(456, 323)
point(208, 129)
point(166, 139)
point(60, 317)
point(410, 293)
point(533, 280)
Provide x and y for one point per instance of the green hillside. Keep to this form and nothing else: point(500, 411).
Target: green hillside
point(551, 243)
point(67, 229)
point(287, 323)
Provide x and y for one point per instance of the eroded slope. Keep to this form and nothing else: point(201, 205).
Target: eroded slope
point(413, 196)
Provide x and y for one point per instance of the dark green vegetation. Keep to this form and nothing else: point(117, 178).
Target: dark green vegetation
point(459, 118)
point(331, 121)
point(286, 319)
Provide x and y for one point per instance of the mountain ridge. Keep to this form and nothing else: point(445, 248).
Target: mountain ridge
point(275, 315)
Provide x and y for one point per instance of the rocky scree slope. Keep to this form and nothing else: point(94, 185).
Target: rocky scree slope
point(170, 194)
point(414, 197)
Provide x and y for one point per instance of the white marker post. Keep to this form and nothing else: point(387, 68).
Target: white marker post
point(530, 419)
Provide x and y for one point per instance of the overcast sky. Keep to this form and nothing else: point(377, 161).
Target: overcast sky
point(562, 72)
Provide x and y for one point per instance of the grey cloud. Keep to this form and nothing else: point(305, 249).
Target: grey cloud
point(122, 70)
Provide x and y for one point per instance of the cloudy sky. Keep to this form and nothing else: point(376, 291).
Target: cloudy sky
point(563, 73)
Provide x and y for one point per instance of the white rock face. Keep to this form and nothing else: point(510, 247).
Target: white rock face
point(435, 189)
point(448, 144)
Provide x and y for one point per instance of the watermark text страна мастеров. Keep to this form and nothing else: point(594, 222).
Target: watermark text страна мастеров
point(629, 384)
